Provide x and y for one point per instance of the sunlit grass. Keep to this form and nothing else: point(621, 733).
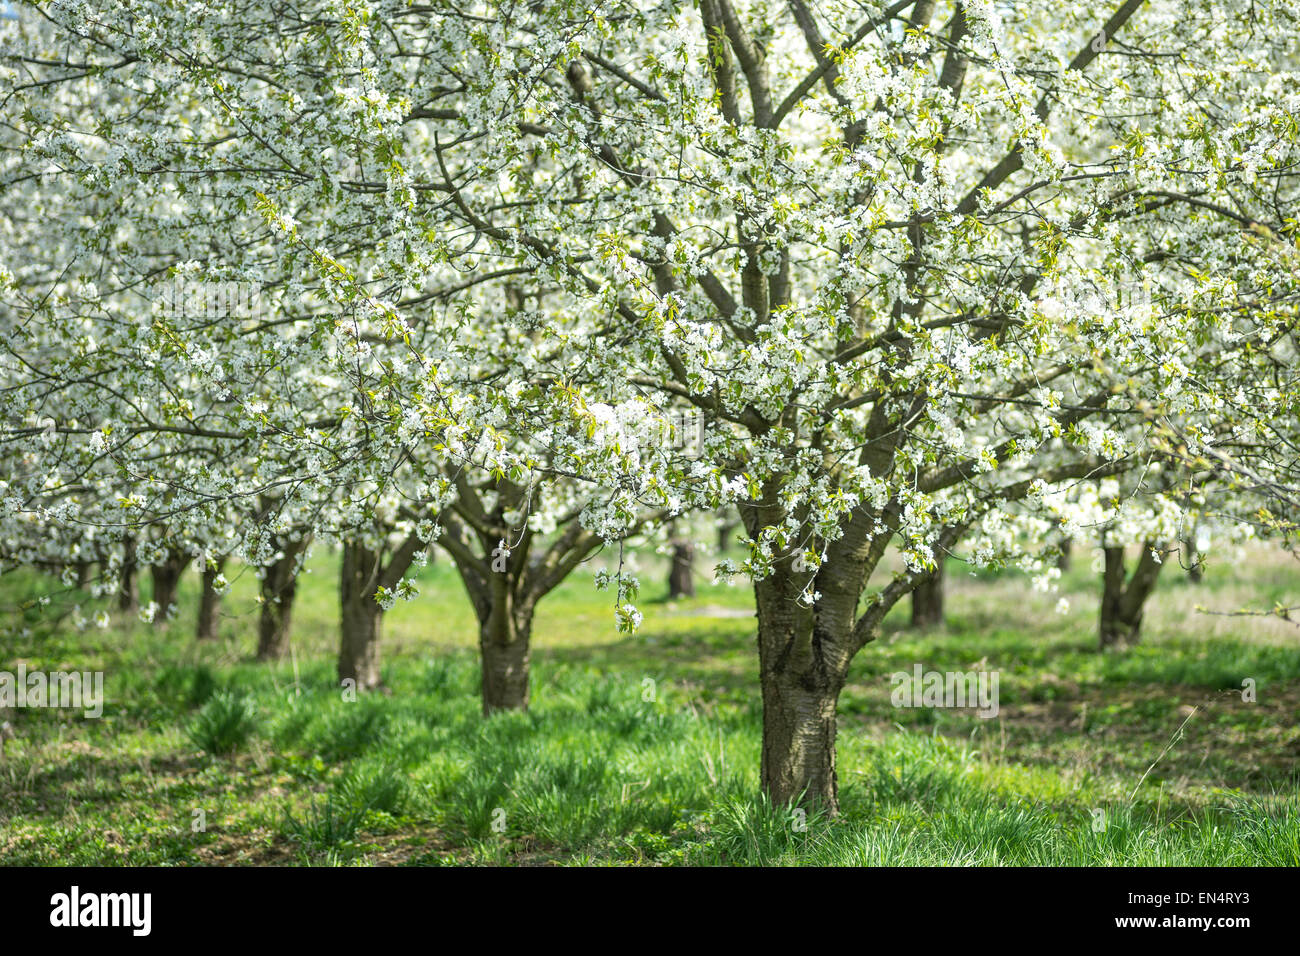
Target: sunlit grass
point(645, 749)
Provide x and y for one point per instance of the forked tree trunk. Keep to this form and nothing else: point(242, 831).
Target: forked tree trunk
point(209, 604)
point(361, 617)
point(801, 673)
point(927, 600)
point(1122, 600)
point(504, 645)
point(128, 600)
point(681, 582)
point(166, 578)
point(279, 585)
point(505, 622)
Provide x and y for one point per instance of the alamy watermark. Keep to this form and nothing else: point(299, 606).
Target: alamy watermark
point(685, 432)
point(77, 909)
point(1089, 298)
point(203, 299)
point(676, 429)
point(75, 690)
point(923, 688)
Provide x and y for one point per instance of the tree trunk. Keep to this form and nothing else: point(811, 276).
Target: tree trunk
point(802, 670)
point(726, 528)
point(1063, 559)
point(209, 603)
point(927, 600)
point(681, 583)
point(504, 644)
point(1122, 602)
point(1193, 559)
point(1112, 590)
point(83, 575)
point(279, 584)
point(166, 578)
point(128, 600)
point(1140, 587)
point(504, 606)
point(361, 617)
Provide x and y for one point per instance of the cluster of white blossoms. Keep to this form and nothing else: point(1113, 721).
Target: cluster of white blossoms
point(902, 269)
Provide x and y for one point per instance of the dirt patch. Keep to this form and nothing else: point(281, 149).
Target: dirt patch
point(260, 847)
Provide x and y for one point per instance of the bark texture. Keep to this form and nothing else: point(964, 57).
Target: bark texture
point(805, 646)
point(504, 646)
point(802, 669)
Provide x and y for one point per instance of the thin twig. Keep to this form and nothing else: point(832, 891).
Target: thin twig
point(1172, 740)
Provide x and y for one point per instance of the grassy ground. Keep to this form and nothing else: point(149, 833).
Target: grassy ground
point(596, 773)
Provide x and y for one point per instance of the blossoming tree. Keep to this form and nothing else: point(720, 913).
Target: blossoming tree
point(832, 230)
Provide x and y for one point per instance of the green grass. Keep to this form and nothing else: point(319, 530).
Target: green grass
point(285, 770)
point(223, 724)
